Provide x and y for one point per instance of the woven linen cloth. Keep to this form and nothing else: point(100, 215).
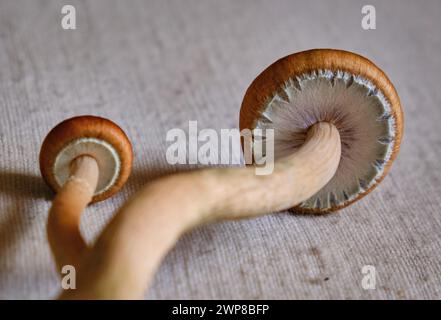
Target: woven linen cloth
point(151, 66)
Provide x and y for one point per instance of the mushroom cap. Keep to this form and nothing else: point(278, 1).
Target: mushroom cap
point(87, 135)
point(340, 87)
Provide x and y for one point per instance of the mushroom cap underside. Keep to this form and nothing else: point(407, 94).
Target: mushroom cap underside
point(88, 135)
point(340, 87)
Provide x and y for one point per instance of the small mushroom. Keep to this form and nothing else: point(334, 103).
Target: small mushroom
point(83, 159)
point(338, 126)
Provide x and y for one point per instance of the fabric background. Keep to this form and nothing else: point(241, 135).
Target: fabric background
point(154, 65)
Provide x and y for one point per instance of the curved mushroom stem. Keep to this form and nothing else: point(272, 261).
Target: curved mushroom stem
point(63, 226)
point(129, 250)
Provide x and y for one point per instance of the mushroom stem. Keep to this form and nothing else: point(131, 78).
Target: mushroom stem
point(128, 252)
point(63, 226)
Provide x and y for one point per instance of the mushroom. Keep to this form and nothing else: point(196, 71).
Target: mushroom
point(336, 87)
point(83, 159)
point(337, 121)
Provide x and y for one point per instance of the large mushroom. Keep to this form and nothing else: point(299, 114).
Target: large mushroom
point(336, 87)
point(338, 126)
point(83, 159)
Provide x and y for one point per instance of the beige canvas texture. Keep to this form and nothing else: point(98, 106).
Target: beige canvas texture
point(154, 65)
